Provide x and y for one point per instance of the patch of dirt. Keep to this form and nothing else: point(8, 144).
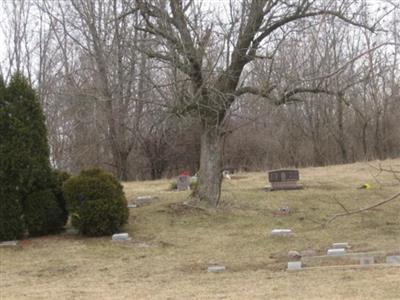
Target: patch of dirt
point(270, 266)
point(179, 209)
point(55, 270)
point(237, 177)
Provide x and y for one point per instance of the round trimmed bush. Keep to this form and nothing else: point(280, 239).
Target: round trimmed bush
point(96, 203)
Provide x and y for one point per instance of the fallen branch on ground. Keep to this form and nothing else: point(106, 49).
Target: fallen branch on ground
point(347, 213)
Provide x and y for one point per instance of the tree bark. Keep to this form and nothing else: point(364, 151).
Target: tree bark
point(210, 173)
point(341, 134)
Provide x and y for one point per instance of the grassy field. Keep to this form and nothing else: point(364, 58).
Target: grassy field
point(172, 245)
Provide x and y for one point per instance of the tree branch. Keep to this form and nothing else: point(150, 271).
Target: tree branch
point(348, 213)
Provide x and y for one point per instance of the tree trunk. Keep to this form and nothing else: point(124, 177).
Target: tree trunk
point(341, 134)
point(364, 139)
point(121, 165)
point(210, 173)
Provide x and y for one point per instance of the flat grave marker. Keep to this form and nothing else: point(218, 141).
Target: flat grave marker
point(121, 237)
point(294, 265)
point(144, 200)
point(216, 269)
point(9, 244)
point(281, 232)
point(336, 252)
point(340, 245)
point(393, 259)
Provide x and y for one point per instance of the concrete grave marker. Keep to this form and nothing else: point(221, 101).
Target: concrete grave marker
point(9, 244)
point(121, 237)
point(367, 260)
point(144, 200)
point(336, 252)
point(294, 265)
point(183, 183)
point(340, 245)
point(216, 269)
point(281, 232)
point(284, 179)
point(393, 259)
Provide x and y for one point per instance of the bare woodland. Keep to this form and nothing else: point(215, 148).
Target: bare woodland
point(149, 88)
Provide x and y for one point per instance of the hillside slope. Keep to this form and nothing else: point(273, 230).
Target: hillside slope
point(173, 244)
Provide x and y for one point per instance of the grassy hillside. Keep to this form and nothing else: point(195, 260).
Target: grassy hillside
point(173, 244)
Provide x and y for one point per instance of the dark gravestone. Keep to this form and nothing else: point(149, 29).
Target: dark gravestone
point(183, 183)
point(284, 179)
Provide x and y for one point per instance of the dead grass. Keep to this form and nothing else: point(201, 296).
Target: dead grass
point(173, 244)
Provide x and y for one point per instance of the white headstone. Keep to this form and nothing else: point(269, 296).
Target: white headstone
point(216, 269)
point(393, 259)
point(336, 252)
point(340, 245)
point(294, 265)
point(143, 200)
point(9, 244)
point(121, 237)
point(281, 232)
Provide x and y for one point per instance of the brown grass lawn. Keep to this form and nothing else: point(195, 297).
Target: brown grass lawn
point(172, 245)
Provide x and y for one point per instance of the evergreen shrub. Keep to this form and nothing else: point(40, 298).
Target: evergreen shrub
point(96, 203)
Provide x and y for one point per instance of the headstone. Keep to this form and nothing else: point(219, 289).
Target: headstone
point(284, 179)
point(340, 245)
point(216, 269)
point(336, 252)
point(121, 237)
point(281, 232)
point(393, 259)
point(342, 259)
point(9, 244)
point(132, 205)
point(294, 265)
point(367, 260)
point(183, 183)
point(294, 255)
point(144, 200)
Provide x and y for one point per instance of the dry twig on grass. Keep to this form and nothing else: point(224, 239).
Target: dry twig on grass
point(393, 197)
point(347, 213)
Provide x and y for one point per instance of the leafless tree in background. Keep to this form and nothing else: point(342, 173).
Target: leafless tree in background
point(149, 88)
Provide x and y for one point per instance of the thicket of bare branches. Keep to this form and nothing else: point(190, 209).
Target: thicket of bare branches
point(117, 79)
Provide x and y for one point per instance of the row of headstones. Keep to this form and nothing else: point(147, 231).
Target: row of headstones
point(339, 249)
point(283, 179)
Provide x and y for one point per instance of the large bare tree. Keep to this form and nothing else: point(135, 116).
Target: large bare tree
point(195, 42)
